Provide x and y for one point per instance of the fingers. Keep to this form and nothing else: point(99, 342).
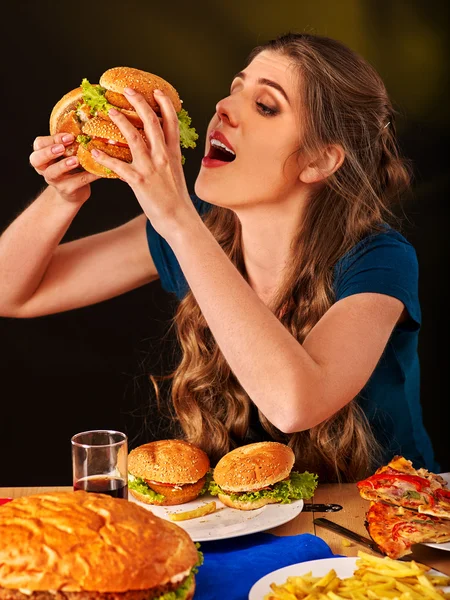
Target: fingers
point(49, 140)
point(60, 175)
point(171, 125)
point(54, 172)
point(120, 167)
point(48, 149)
point(152, 127)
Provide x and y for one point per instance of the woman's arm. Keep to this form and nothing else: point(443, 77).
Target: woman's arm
point(37, 275)
point(295, 386)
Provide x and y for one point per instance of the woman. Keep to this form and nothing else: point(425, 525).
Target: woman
point(298, 315)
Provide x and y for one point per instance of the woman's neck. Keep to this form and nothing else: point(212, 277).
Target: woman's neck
point(267, 235)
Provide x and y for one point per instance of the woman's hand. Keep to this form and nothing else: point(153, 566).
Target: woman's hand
point(48, 160)
point(155, 175)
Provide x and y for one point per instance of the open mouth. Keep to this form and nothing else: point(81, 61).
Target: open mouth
point(219, 151)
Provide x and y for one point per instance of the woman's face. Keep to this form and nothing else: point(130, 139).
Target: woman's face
point(258, 121)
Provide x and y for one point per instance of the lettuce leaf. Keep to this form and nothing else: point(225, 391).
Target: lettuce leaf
point(94, 96)
point(188, 135)
point(83, 139)
point(205, 488)
point(138, 485)
point(181, 592)
point(299, 485)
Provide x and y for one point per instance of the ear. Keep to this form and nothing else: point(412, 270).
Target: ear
point(329, 161)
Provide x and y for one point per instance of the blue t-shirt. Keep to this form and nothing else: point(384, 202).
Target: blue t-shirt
point(383, 263)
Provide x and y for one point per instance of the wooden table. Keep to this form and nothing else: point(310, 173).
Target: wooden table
point(351, 516)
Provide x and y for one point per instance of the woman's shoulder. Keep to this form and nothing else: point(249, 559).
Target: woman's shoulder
point(383, 262)
point(380, 247)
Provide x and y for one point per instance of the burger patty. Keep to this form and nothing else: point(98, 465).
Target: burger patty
point(149, 594)
point(112, 150)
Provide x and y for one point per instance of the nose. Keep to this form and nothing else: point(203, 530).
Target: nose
point(226, 111)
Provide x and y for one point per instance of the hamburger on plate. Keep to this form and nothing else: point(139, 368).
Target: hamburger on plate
point(167, 472)
point(84, 113)
point(81, 545)
point(254, 475)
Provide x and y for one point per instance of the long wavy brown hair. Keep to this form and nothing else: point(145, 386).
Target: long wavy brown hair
point(344, 101)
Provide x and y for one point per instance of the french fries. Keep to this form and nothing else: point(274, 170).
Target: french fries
point(201, 511)
point(375, 578)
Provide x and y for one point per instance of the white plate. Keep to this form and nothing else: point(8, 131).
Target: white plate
point(444, 545)
point(226, 522)
point(344, 567)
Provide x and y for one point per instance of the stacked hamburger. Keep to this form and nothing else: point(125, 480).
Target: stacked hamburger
point(81, 545)
point(168, 472)
point(257, 474)
point(84, 113)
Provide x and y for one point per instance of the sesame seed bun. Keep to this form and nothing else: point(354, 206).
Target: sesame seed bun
point(99, 127)
point(168, 461)
point(115, 80)
point(174, 462)
point(88, 163)
point(104, 130)
point(254, 467)
point(87, 542)
point(62, 108)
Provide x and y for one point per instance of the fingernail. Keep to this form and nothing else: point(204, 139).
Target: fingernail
point(113, 112)
point(71, 161)
point(158, 92)
point(58, 149)
point(95, 153)
point(68, 137)
point(129, 91)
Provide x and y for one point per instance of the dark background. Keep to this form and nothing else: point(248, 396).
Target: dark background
point(88, 368)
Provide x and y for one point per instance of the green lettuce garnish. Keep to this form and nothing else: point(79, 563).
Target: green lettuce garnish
point(94, 96)
point(188, 135)
point(299, 485)
point(83, 139)
point(181, 592)
point(205, 488)
point(138, 485)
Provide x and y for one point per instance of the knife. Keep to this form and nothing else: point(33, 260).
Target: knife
point(321, 507)
point(348, 533)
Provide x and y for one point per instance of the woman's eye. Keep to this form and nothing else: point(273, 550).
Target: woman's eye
point(266, 110)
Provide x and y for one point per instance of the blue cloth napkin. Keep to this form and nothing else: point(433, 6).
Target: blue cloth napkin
point(232, 566)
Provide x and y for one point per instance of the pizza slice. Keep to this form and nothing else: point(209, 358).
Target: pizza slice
point(400, 484)
point(395, 529)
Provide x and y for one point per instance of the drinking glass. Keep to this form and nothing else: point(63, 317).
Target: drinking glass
point(100, 462)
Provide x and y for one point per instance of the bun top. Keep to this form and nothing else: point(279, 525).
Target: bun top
point(76, 541)
point(118, 78)
point(67, 103)
point(168, 461)
point(104, 128)
point(254, 466)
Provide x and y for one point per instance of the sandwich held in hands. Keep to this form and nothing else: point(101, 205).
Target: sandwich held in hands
point(84, 113)
point(167, 472)
point(82, 545)
point(258, 474)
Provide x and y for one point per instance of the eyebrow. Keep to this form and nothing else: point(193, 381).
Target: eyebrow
point(264, 81)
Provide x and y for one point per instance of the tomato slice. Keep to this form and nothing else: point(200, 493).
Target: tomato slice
point(121, 145)
point(442, 493)
point(378, 480)
point(171, 485)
